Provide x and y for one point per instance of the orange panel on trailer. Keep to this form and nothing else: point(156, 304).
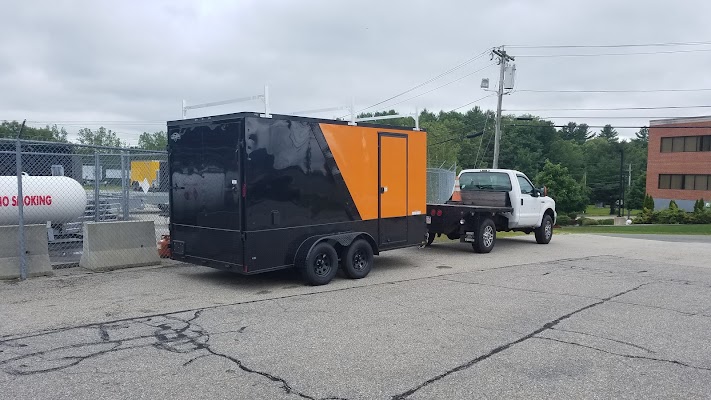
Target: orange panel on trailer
point(355, 150)
point(417, 172)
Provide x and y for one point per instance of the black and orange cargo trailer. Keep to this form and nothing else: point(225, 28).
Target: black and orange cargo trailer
point(252, 194)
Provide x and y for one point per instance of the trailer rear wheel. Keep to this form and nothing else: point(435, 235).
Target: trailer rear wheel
point(358, 260)
point(321, 264)
point(486, 238)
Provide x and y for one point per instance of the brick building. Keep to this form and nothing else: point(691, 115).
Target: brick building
point(679, 161)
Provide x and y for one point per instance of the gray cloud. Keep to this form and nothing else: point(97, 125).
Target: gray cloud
point(134, 60)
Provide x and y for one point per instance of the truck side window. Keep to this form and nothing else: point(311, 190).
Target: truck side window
point(526, 187)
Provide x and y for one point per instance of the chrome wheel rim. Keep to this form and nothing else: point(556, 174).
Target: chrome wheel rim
point(488, 236)
point(548, 229)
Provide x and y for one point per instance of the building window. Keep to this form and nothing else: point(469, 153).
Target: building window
point(691, 143)
point(664, 181)
point(685, 144)
point(685, 182)
point(677, 144)
point(705, 143)
point(666, 145)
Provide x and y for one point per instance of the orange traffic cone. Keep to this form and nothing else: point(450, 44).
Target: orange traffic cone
point(457, 195)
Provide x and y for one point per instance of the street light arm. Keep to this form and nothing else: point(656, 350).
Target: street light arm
point(471, 135)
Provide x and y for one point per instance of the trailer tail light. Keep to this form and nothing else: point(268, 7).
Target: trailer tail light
point(433, 212)
point(439, 213)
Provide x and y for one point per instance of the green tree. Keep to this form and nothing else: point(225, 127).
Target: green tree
point(10, 129)
point(648, 203)
point(153, 141)
point(577, 133)
point(602, 170)
point(569, 195)
point(99, 137)
point(609, 133)
point(569, 154)
point(637, 193)
point(642, 134)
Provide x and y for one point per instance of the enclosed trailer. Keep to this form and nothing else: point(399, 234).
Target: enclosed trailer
point(252, 194)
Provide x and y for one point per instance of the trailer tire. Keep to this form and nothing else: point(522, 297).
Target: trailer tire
point(321, 264)
point(486, 238)
point(544, 233)
point(358, 260)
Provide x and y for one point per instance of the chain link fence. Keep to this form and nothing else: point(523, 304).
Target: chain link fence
point(66, 185)
point(440, 183)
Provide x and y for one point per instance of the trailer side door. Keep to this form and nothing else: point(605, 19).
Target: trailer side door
point(206, 193)
point(393, 179)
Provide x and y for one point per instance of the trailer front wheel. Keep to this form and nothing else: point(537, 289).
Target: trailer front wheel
point(486, 238)
point(358, 259)
point(321, 265)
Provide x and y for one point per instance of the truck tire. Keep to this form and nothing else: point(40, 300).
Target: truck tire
point(321, 265)
point(430, 238)
point(544, 233)
point(486, 237)
point(358, 260)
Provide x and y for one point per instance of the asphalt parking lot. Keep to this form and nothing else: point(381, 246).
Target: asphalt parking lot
point(583, 317)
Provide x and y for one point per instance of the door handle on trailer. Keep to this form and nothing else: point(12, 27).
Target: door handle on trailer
point(383, 189)
point(521, 201)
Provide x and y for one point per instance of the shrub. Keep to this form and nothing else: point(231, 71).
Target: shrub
point(699, 206)
point(647, 216)
point(588, 222)
point(573, 216)
point(700, 217)
point(648, 203)
point(672, 205)
point(672, 216)
point(608, 221)
point(563, 220)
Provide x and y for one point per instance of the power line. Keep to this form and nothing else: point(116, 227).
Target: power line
point(612, 109)
point(610, 117)
point(602, 126)
point(445, 73)
point(588, 46)
point(472, 102)
point(611, 91)
point(613, 54)
point(440, 87)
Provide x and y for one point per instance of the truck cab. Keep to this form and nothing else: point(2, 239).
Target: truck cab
point(529, 204)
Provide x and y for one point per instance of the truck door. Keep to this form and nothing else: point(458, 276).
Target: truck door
point(206, 192)
point(393, 177)
point(529, 207)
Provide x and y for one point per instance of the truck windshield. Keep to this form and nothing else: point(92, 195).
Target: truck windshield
point(472, 181)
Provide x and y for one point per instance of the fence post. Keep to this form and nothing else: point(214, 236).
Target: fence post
point(21, 211)
point(96, 185)
point(124, 185)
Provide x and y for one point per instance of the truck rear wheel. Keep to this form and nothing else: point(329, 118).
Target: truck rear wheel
point(486, 238)
point(321, 265)
point(358, 260)
point(544, 233)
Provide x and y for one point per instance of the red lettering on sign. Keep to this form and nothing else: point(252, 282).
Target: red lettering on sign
point(7, 201)
point(4, 201)
point(49, 200)
point(14, 201)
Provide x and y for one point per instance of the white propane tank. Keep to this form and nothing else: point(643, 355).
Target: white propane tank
point(58, 199)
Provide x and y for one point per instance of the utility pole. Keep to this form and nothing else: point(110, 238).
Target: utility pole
point(629, 185)
point(503, 58)
point(622, 183)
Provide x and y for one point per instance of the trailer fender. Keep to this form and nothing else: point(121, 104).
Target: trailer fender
point(340, 241)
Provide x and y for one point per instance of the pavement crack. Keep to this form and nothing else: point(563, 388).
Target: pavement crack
point(515, 288)
point(675, 362)
point(606, 338)
point(506, 346)
point(103, 333)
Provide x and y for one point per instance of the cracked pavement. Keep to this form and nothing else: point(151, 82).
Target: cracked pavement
point(582, 317)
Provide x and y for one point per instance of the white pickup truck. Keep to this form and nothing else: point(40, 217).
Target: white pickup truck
point(486, 201)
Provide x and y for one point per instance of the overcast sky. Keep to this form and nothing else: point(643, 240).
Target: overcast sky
point(88, 63)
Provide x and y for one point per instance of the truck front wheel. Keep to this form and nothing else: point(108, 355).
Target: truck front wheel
point(321, 265)
point(486, 238)
point(544, 233)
